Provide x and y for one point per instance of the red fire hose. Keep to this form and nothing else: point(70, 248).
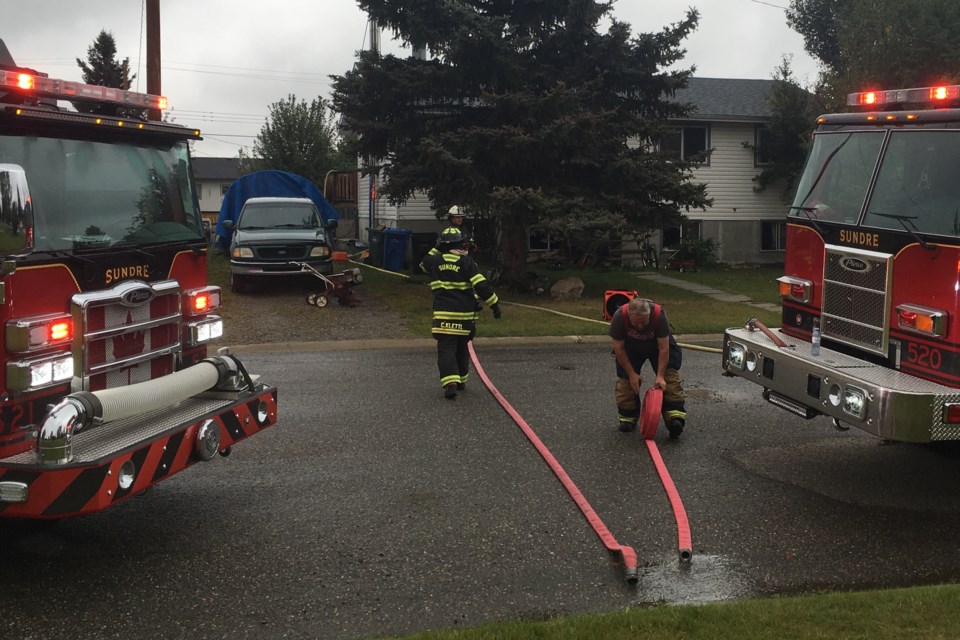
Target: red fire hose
point(649, 421)
point(628, 554)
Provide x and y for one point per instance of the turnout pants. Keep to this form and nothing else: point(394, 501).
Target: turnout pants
point(453, 357)
point(628, 404)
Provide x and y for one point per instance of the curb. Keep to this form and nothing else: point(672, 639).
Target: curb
point(424, 343)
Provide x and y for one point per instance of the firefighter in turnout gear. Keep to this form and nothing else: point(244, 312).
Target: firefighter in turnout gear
point(640, 332)
point(455, 218)
point(457, 284)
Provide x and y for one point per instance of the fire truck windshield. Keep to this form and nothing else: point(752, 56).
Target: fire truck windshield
point(918, 180)
point(909, 183)
point(834, 184)
point(64, 195)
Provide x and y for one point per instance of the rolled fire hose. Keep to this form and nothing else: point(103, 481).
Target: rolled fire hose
point(84, 409)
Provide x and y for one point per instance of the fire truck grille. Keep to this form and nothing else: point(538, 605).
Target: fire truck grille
point(855, 298)
point(127, 334)
point(282, 252)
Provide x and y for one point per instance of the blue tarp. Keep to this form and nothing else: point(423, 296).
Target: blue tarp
point(269, 184)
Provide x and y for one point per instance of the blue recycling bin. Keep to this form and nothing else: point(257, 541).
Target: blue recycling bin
point(396, 248)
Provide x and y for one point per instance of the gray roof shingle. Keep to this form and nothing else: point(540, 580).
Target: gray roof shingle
point(727, 98)
point(226, 169)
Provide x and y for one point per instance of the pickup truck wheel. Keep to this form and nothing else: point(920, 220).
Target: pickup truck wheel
point(238, 284)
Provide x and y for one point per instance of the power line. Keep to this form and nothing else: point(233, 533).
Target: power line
point(770, 4)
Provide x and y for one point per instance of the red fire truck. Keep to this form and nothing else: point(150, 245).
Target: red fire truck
point(106, 385)
point(873, 265)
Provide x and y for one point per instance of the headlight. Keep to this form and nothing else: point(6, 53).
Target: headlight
point(27, 375)
point(319, 252)
point(736, 356)
point(854, 402)
point(205, 330)
point(242, 252)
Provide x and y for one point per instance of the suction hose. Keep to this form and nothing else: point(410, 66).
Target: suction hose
point(84, 409)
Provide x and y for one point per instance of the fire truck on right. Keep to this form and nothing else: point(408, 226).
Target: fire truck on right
point(872, 265)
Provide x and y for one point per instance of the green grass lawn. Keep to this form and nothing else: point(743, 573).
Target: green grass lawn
point(927, 613)
point(689, 313)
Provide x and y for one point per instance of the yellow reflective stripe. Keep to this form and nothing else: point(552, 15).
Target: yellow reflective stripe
point(477, 278)
point(452, 332)
point(450, 257)
point(492, 300)
point(445, 380)
point(454, 315)
point(450, 286)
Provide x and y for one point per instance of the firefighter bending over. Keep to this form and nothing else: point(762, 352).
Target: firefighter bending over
point(457, 284)
point(640, 332)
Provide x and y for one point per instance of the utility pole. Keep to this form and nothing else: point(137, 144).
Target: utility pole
point(153, 54)
point(374, 175)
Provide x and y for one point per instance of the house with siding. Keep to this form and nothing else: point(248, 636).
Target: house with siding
point(729, 120)
point(212, 177)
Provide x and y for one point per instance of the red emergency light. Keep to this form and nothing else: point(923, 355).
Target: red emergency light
point(917, 95)
point(43, 87)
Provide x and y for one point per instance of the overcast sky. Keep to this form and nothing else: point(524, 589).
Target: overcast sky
point(226, 61)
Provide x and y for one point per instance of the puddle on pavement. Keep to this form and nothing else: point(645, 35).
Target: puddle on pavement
point(704, 579)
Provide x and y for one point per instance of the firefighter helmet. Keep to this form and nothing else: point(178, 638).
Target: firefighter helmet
point(450, 238)
point(455, 210)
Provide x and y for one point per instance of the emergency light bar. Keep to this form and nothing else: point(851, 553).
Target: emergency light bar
point(924, 95)
point(43, 87)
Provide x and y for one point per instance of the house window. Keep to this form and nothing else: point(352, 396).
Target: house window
point(540, 240)
point(773, 235)
point(224, 188)
point(761, 146)
point(673, 236)
point(686, 142)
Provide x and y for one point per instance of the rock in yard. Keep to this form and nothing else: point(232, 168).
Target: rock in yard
point(566, 289)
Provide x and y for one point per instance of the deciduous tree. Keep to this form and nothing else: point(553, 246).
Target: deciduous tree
point(297, 137)
point(879, 43)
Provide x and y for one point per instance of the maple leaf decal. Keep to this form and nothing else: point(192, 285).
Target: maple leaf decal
point(129, 344)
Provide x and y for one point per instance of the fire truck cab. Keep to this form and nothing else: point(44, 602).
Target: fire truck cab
point(106, 383)
point(873, 261)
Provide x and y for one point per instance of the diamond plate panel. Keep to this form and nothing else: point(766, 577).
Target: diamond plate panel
point(939, 430)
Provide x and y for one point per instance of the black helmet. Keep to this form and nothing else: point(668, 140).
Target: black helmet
point(450, 238)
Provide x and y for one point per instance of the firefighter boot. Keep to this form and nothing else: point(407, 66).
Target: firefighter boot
point(450, 391)
point(675, 427)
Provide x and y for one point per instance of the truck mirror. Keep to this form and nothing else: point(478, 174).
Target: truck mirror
point(331, 224)
point(228, 225)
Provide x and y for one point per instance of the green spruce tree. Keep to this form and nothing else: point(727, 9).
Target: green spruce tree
point(102, 69)
point(527, 112)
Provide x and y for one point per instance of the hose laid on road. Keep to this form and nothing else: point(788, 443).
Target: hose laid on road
point(684, 542)
point(627, 553)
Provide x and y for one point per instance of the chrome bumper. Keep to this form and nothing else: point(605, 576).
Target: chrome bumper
point(896, 406)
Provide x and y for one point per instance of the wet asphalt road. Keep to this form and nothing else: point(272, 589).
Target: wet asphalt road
point(376, 507)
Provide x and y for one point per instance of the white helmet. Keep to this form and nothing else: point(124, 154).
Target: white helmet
point(455, 210)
